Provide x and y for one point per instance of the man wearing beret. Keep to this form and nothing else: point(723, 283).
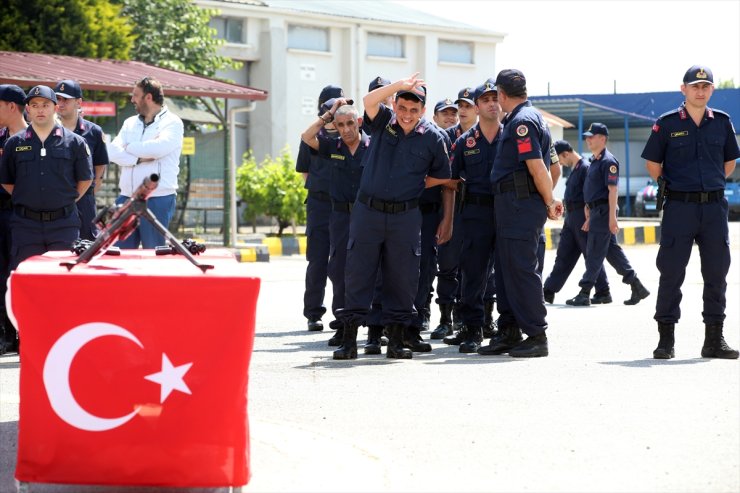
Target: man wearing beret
point(693, 150)
point(69, 103)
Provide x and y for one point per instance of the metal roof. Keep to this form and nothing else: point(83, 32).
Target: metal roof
point(374, 10)
point(640, 109)
point(30, 69)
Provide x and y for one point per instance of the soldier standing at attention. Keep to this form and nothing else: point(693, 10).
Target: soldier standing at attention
point(693, 148)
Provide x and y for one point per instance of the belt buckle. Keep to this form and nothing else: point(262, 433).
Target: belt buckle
point(703, 197)
point(45, 216)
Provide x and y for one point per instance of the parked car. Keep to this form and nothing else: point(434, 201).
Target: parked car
point(646, 200)
point(732, 194)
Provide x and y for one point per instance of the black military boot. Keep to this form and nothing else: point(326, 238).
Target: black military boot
point(412, 340)
point(531, 347)
point(315, 325)
point(665, 344)
point(639, 292)
point(348, 349)
point(454, 339)
point(489, 324)
point(374, 332)
point(714, 343)
point(395, 343)
point(601, 298)
point(445, 323)
point(582, 299)
point(471, 341)
point(549, 296)
point(336, 339)
point(508, 336)
point(457, 321)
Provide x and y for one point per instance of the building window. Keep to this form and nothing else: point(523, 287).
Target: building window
point(388, 45)
point(455, 51)
point(308, 38)
point(230, 29)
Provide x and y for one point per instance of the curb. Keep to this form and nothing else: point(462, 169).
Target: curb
point(628, 235)
point(252, 253)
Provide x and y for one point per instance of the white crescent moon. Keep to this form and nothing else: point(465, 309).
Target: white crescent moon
point(56, 376)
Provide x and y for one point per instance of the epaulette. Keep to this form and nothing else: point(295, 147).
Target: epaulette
point(719, 112)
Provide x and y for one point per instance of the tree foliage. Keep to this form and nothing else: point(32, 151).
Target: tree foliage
point(175, 34)
point(726, 84)
point(272, 188)
point(84, 28)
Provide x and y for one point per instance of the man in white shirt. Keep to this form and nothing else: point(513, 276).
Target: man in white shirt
point(149, 143)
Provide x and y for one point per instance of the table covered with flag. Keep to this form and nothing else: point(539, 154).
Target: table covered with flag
point(134, 369)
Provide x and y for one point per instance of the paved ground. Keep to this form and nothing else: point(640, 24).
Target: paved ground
point(598, 415)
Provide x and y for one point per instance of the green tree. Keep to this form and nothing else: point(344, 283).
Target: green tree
point(726, 84)
point(84, 28)
point(273, 189)
point(175, 34)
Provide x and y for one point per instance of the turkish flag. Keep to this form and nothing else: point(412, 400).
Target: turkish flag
point(134, 370)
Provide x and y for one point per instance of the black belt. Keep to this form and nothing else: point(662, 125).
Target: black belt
point(571, 206)
point(6, 202)
point(388, 207)
point(700, 197)
point(479, 199)
point(341, 206)
point(322, 196)
point(597, 203)
point(429, 207)
point(508, 186)
point(44, 215)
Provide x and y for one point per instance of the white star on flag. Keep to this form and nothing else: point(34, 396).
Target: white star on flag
point(170, 378)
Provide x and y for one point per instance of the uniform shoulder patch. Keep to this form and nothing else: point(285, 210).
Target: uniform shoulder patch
point(719, 112)
point(612, 169)
point(522, 130)
point(668, 113)
point(656, 127)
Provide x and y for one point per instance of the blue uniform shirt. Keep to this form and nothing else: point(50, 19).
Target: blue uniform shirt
point(525, 136)
point(472, 159)
point(318, 168)
point(396, 164)
point(693, 157)
point(93, 135)
point(574, 184)
point(346, 169)
point(454, 133)
point(4, 136)
point(603, 171)
point(45, 183)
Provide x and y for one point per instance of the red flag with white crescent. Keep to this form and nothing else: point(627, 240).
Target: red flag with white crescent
point(147, 385)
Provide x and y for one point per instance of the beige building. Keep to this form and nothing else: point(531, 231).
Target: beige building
point(294, 48)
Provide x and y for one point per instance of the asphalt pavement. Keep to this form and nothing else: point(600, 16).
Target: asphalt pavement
point(597, 415)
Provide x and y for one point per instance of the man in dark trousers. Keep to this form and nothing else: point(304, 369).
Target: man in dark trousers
point(316, 173)
point(406, 155)
point(573, 239)
point(693, 149)
point(523, 200)
point(600, 196)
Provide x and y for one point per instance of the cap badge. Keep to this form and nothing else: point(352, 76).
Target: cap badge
point(61, 88)
point(37, 91)
point(489, 86)
point(466, 93)
point(378, 80)
point(522, 130)
point(701, 74)
point(448, 101)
